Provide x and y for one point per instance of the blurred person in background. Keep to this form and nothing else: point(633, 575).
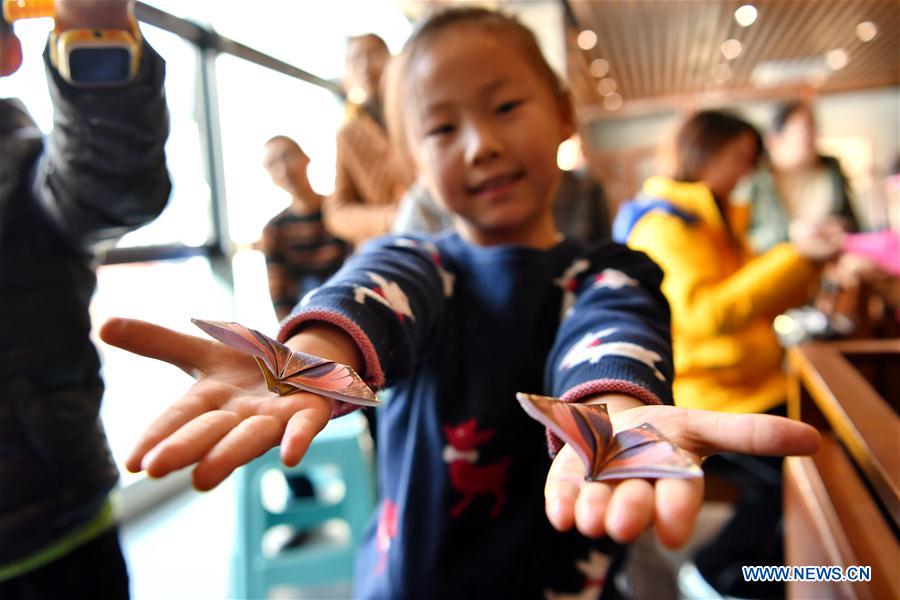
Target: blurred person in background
point(800, 184)
point(300, 253)
point(100, 173)
point(370, 175)
point(723, 300)
point(869, 269)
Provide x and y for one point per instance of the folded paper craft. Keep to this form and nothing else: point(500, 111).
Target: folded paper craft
point(639, 452)
point(287, 371)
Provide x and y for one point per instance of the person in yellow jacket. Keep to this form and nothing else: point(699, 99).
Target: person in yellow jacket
point(723, 301)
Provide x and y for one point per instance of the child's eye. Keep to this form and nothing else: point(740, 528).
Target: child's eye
point(508, 107)
point(440, 130)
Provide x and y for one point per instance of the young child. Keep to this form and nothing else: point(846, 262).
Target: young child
point(456, 325)
point(300, 253)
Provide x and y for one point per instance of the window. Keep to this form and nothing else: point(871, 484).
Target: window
point(252, 113)
point(187, 219)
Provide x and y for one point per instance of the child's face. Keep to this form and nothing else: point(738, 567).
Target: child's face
point(484, 129)
point(286, 165)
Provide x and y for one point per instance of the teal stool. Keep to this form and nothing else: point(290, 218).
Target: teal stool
point(339, 457)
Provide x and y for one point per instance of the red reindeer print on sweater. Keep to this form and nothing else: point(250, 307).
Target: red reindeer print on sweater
point(387, 529)
point(468, 478)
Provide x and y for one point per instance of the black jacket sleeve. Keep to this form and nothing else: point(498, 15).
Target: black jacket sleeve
point(103, 172)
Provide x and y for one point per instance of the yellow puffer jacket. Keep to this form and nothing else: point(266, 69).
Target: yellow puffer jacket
point(727, 357)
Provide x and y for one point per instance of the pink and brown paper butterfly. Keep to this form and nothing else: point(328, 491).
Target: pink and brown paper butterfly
point(287, 371)
point(639, 452)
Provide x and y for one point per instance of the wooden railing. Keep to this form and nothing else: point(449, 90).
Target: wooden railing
point(842, 505)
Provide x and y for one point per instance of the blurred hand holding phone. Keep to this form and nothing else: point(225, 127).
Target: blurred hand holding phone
point(93, 43)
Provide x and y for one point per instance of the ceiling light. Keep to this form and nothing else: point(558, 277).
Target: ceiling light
point(606, 86)
point(789, 71)
point(721, 73)
point(599, 67)
point(357, 95)
point(731, 49)
point(745, 15)
point(613, 102)
point(866, 31)
point(587, 39)
point(568, 154)
point(837, 59)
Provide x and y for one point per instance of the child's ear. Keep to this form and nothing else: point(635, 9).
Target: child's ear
point(566, 115)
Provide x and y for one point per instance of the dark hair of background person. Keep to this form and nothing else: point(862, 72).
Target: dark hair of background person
point(785, 111)
point(703, 136)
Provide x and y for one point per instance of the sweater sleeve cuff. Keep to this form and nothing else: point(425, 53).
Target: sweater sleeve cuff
point(592, 388)
point(372, 373)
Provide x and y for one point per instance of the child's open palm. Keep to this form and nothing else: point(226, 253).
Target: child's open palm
point(625, 509)
point(226, 419)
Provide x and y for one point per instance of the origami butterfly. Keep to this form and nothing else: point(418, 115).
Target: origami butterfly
point(287, 371)
point(641, 451)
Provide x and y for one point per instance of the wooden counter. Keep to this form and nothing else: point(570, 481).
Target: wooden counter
point(842, 505)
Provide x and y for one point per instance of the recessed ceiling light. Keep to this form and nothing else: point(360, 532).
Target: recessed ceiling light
point(599, 67)
point(567, 155)
point(837, 59)
point(745, 15)
point(606, 86)
point(613, 102)
point(866, 31)
point(357, 95)
point(731, 49)
point(587, 39)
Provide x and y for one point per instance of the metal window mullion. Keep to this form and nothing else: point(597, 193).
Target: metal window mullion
point(212, 136)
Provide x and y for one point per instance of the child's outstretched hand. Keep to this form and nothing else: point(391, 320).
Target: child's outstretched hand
point(226, 419)
point(625, 509)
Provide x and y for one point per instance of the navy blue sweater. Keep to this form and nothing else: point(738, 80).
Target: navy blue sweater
point(455, 330)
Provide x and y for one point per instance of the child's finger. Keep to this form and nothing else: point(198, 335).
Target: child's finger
point(705, 432)
point(708, 432)
point(154, 341)
point(190, 443)
point(251, 438)
point(301, 428)
point(678, 503)
point(564, 480)
point(631, 510)
point(592, 507)
point(193, 404)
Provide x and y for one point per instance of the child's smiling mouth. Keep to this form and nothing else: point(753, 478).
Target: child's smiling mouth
point(496, 185)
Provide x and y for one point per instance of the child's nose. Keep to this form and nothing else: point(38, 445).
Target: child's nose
point(482, 143)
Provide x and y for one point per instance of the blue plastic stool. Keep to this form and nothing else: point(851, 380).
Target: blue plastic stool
point(341, 454)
